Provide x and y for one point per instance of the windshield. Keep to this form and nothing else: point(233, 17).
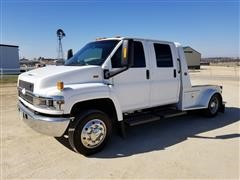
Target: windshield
point(94, 53)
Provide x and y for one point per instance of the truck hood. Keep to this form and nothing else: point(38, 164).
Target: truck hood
point(48, 76)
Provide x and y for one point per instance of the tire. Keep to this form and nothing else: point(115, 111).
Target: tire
point(81, 135)
point(213, 106)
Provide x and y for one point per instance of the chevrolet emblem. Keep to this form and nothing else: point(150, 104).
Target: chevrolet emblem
point(23, 91)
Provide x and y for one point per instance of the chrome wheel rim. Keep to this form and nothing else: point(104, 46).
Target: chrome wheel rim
point(93, 133)
point(214, 105)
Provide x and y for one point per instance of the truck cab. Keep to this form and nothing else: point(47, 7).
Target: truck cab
point(112, 82)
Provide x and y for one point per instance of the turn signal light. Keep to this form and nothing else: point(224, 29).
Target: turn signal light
point(124, 53)
point(60, 85)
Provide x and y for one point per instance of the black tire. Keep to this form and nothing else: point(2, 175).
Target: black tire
point(86, 126)
point(213, 106)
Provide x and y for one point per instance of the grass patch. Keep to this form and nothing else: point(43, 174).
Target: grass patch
point(4, 79)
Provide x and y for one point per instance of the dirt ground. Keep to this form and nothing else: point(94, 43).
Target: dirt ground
point(190, 146)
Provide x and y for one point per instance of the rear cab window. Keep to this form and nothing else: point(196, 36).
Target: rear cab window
point(163, 55)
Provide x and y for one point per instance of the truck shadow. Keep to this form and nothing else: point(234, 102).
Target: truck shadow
point(160, 135)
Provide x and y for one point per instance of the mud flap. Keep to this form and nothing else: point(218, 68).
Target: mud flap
point(222, 108)
point(122, 128)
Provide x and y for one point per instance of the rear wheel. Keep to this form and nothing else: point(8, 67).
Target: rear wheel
point(213, 106)
point(89, 132)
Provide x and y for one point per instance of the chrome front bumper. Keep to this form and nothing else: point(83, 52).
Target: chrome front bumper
point(52, 126)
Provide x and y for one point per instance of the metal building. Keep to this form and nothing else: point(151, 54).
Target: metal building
point(193, 57)
point(9, 59)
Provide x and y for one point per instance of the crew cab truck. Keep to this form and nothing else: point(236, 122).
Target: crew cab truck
point(109, 83)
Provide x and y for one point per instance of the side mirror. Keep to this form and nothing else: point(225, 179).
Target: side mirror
point(127, 53)
point(69, 54)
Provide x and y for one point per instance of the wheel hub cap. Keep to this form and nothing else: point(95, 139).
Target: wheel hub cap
point(214, 105)
point(93, 133)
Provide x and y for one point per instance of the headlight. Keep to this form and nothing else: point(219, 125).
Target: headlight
point(37, 101)
point(55, 102)
point(58, 102)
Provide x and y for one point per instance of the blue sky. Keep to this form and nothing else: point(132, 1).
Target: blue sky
point(211, 27)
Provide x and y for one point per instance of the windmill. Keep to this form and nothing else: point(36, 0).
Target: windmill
point(60, 35)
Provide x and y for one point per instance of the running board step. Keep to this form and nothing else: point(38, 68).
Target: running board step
point(154, 116)
point(142, 119)
point(170, 113)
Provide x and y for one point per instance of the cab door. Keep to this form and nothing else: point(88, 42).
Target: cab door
point(132, 87)
point(165, 80)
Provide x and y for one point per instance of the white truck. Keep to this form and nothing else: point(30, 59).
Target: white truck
point(112, 82)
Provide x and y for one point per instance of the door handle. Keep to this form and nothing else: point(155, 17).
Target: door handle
point(174, 73)
point(147, 74)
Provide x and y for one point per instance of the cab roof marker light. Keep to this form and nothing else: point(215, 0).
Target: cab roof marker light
point(100, 38)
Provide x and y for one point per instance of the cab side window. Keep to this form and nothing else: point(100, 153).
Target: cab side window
point(116, 58)
point(139, 57)
point(163, 55)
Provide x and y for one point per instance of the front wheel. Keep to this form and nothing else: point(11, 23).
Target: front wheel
point(89, 132)
point(213, 106)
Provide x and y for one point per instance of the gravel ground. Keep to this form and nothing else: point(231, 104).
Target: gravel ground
point(184, 147)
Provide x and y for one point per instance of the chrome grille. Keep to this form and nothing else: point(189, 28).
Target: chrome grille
point(27, 85)
point(27, 96)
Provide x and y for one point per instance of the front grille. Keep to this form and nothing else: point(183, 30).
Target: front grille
point(28, 88)
point(27, 97)
point(27, 85)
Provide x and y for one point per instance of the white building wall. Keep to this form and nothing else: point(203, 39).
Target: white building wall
point(9, 59)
